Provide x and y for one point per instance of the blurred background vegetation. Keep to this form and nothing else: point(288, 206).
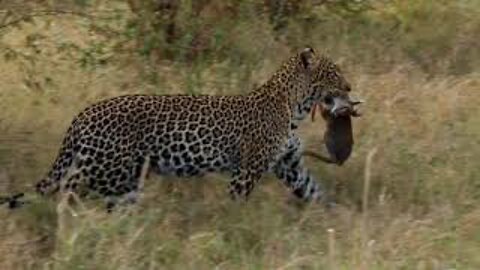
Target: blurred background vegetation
point(416, 63)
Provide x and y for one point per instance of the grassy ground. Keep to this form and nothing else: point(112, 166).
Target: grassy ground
point(408, 197)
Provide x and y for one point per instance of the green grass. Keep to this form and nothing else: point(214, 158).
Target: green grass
point(420, 81)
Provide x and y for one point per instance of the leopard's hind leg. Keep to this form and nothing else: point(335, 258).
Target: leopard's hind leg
point(62, 165)
point(128, 190)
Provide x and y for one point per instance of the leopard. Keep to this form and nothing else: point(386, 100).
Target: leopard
point(110, 143)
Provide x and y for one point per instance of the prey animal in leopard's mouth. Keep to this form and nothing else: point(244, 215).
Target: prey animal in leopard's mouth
point(338, 136)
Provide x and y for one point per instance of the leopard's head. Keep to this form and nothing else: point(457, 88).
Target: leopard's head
point(328, 86)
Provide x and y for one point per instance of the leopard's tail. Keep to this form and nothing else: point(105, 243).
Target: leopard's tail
point(13, 201)
point(48, 185)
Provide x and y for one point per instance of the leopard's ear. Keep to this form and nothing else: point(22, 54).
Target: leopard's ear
point(307, 56)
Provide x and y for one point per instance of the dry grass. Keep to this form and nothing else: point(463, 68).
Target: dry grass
point(408, 197)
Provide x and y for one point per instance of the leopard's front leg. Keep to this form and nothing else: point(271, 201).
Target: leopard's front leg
point(242, 183)
point(290, 169)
